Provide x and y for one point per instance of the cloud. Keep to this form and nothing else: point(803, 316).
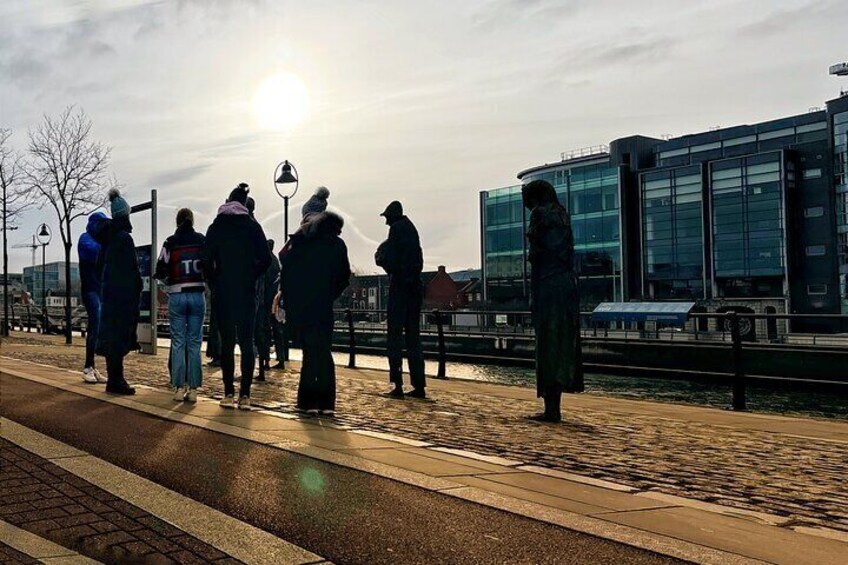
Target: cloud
point(779, 21)
point(498, 13)
point(176, 176)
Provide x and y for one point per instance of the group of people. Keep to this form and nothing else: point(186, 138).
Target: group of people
point(256, 297)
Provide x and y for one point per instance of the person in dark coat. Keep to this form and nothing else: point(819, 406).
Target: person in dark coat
point(278, 335)
point(90, 268)
point(401, 257)
point(235, 255)
point(267, 326)
point(121, 295)
point(314, 272)
point(554, 298)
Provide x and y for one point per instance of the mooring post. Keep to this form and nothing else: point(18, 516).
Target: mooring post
point(739, 400)
point(441, 330)
point(351, 363)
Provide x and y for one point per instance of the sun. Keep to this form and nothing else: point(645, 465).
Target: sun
point(281, 101)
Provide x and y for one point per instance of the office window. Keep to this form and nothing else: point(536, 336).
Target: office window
point(816, 289)
point(812, 173)
point(815, 250)
point(705, 147)
point(674, 153)
point(814, 212)
point(776, 133)
point(811, 127)
point(739, 140)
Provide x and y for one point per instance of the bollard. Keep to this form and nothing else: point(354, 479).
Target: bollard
point(351, 363)
point(739, 401)
point(441, 329)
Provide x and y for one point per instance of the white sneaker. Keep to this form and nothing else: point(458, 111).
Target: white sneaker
point(89, 375)
point(244, 403)
point(228, 401)
point(100, 378)
point(328, 412)
point(179, 394)
point(191, 395)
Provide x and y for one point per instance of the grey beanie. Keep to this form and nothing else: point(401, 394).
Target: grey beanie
point(317, 203)
point(119, 207)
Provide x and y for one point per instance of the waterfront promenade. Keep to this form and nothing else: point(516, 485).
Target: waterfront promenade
point(702, 484)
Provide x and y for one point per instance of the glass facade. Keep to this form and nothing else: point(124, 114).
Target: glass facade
point(503, 244)
point(748, 217)
point(672, 234)
point(840, 182)
point(54, 279)
point(590, 192)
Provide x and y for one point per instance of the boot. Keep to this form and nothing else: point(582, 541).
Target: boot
point(552, 407)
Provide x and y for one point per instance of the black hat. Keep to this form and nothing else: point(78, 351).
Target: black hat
point(239, 193)
point(250, 205)
point(393, 210)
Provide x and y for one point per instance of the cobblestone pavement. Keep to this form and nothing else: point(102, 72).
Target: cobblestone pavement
point(800, 478)
point(46, 500)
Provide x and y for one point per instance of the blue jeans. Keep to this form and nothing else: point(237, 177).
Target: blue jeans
point(186, 311)
point(91, 301)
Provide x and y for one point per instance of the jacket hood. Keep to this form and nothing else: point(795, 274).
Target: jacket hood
point(326, 223)
point(96, 222)
point(233, 208)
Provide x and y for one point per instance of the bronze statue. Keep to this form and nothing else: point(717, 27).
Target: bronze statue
point(554, 299)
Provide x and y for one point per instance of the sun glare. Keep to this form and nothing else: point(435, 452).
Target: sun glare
point(281, 101)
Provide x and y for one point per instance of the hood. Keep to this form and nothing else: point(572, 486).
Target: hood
point(538, 193)
point(326, 223)
point(96, 223)
point(233, 209)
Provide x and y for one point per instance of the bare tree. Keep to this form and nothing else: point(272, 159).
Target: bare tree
point(69, 171)
point(15, 198)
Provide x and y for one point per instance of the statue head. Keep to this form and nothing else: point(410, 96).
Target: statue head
point(537, 193)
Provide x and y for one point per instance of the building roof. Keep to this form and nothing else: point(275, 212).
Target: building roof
point(567, 163)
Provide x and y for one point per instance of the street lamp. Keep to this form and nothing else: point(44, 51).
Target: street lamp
point(44, 237)
point(285, 176)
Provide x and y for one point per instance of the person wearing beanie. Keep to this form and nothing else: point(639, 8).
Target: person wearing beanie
point(121, 292)
point(179, 267)
point(235, 255)
point(316, 204)
point(401, 257)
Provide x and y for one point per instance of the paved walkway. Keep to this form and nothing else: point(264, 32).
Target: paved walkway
point(347, 514)
point(789, 467)
point(649, 519)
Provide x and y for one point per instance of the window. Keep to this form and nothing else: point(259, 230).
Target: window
point(816, 250)
point(812, 173)
point(816, 289)
point(674, 153)
point(739, 140)
point(705, 147)
point(777, 133)
point(811, 127)
point(814, 212)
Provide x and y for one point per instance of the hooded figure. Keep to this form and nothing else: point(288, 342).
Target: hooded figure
point(121, 293)
point(401, 257)
point(554, 301)
point(317, 203)
point(235, 255)
point(314, 272)
point(90, 268)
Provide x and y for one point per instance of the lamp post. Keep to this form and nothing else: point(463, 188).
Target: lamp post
point(285, 176)
point(44, 236)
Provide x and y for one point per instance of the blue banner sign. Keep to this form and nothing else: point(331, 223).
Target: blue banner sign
point(676, 313)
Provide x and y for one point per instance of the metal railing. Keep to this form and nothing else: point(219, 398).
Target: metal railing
point(726, 331)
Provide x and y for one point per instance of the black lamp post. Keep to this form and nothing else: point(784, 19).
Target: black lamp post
point(44, 236)
point(285, 176)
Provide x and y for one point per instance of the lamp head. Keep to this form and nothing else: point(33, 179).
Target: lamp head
point(286, 176)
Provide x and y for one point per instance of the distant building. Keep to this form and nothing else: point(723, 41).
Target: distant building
point(442, 290)
point(753, 217)
point(54, 275)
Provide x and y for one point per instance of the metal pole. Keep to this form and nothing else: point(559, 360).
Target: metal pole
point(441, 330)
point(285, 219)
point(44, 288)
point(352, 340)
point(154, 295)
point(738, 371)
point(5, 271)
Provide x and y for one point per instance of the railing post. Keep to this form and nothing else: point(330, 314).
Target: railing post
point(29, 319)
point(441, 330)
point(351, 363)
point(739, 401)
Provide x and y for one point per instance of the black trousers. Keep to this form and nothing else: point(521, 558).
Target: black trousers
point(114, 370)
point(404, 328)
point(281, 344)
point(317, 388)
point(237, 329)
point(213, 343)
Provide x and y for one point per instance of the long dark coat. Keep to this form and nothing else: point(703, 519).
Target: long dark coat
point(555, 303)
point(121, 291)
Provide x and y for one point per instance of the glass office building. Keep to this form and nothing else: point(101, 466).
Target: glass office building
point(54, 279)
point(751, 217)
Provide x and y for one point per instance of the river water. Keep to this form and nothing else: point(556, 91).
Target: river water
point(771, 399)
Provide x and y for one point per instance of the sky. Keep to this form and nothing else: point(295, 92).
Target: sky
point(424, 102)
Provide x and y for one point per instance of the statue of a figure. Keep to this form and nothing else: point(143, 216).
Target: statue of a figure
point(554, 300)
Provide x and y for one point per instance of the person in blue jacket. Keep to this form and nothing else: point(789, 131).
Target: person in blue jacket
point(91, 270)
